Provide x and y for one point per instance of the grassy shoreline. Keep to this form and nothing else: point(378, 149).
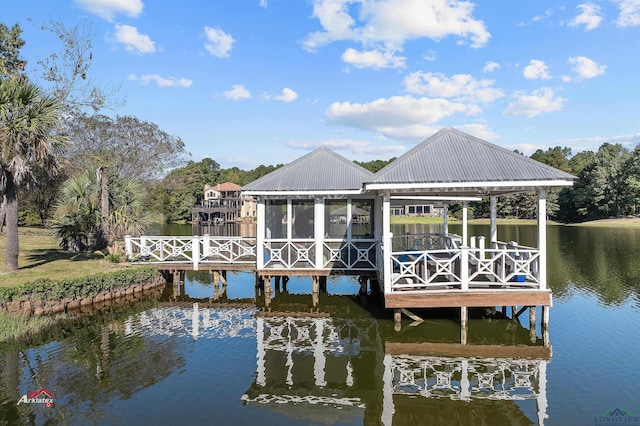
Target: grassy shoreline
point(41, 257)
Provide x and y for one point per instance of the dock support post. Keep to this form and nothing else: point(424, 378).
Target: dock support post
point(323, 284)
point(363, 284)
point(397, 319)
point(514, 312)
point(532, 324)
point(504, 311)
point(464, 324)
point(545, 326)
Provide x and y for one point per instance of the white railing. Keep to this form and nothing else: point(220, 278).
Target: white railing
point(336, 254)
point(299, 253)
point(349, 255)
point(507, 265)
point(193, 249)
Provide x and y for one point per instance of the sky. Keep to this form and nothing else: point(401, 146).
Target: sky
point(251, 82)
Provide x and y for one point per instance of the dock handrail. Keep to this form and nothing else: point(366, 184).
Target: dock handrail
point(191, 249)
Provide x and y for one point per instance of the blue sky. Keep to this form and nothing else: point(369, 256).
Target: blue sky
point(250, 82)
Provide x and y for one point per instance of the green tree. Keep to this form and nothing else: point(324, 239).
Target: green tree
point(28, 123)
point(375, 165)
point(126, 146)
point(631, 176)
point(67, 70)
point(183, 187)
point(10, 44)
point(77, 220)
point(601, 190)
point(555, 157)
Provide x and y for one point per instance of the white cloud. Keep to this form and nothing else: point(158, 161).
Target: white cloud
point(629, 141)
point(490, 67)
point(218, 43)
point(430, 56)
point(385, 25)
point(133, 41)
point(459, 87)
point(162, 81)
point(585, 67)
point(237, 92)
point(481, 131)
point(629, 13)
point(287, 96)
point(107, 9)
point(373, 59)
point(527, 148)
point(263, 3)
point(589, 16)
point(536, 70)
point(349, 145)
point(398, 117)
point(538, 102)
point(547, 14)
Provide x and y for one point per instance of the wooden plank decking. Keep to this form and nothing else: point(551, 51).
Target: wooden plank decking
point(470, 298)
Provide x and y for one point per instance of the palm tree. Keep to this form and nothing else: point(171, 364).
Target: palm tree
point(28, 121)
point(77, 220)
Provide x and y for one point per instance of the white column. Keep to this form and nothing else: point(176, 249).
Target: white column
point(386, 242)
point(260, 231)
point(542, 237)
point(494, 221)
point(195, 251)
point(465, 232)
point(289, 219)
point(318, 230)
point(128, 247)
point(446, 218)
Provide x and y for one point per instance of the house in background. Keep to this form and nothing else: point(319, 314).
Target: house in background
point(223, 203)
point(416, 208)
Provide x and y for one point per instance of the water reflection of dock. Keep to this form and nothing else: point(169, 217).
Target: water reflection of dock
point(306, 363)
point(329, 360)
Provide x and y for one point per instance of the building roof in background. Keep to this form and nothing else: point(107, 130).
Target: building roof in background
point(226, 186)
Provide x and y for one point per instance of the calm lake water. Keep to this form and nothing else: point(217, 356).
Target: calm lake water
point(185, 358)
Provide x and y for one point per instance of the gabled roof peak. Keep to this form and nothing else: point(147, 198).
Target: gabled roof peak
point(451, 155)
point(319, 170)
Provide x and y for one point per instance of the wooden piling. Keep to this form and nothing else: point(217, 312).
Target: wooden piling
point(464, 324)
point(532, 324)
